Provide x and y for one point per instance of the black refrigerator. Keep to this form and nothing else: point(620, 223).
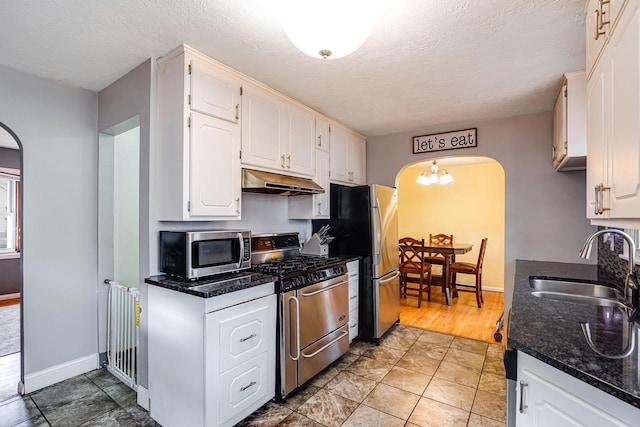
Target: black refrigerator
point(364, 222)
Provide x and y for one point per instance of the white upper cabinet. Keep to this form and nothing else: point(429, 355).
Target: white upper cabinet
point(602, 18)
point(348, 156)
point(322, 134)
point(213, 92)
point(276, 135)
point(570, 123)
point(314, 206)
point(198, 139)
point(613, 159)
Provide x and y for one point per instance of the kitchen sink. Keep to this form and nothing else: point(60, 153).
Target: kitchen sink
point(576, 291)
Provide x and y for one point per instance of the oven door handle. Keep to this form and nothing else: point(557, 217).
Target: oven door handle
point(241, 241)
point(324, 347)
point(297, 322)
point(305, 294)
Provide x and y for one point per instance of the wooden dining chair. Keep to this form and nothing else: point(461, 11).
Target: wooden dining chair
point(435, 258)
point(412, 263)
point(468, 268)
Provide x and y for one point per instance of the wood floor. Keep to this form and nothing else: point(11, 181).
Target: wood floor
point(463, 318)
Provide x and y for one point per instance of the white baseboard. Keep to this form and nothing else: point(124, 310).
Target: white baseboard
point(485, 288)
point(55, 374)
point(143, 397)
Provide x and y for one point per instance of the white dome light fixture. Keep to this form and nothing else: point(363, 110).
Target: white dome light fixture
point(328, 29)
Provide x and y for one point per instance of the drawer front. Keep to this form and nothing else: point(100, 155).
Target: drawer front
point(245, 331)
point(322, 353)
point(353, 301)
point(353, 325)
point(244, 388)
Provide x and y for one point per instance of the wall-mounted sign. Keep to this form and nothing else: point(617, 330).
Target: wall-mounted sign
point(445, 141)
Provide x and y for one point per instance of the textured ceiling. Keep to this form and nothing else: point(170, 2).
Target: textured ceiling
point(426, 61)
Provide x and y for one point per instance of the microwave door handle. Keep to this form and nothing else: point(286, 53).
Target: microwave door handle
point(241, 242)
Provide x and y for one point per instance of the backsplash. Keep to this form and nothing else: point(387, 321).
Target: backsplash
point(611, 268)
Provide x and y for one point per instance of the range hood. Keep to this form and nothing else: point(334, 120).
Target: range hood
point(254, 181)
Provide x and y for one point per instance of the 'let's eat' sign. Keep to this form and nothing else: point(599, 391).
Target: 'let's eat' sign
point(445, 141)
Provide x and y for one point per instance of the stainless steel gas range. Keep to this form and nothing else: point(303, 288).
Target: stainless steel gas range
point(313, 308)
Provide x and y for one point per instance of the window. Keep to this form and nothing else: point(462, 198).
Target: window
point(9, 214)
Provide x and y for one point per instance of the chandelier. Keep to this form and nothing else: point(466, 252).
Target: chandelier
point(328, 29)
point(437, 176)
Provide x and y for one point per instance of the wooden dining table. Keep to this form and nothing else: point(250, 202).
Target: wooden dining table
point(449, 251)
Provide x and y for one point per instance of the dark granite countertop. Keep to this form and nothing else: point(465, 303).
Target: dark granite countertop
point(214, 285)
point(549, 331)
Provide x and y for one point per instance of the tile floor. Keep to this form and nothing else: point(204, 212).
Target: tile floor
point(413, 378)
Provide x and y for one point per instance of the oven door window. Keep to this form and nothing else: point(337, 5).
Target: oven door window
point(210, 253)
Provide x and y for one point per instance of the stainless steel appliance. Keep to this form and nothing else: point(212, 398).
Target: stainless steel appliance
point(364, 222)
point(196, 254)
point(313, 308)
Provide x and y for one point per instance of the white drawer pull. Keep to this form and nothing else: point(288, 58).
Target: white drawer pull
point(248, 338)
point(251, 384)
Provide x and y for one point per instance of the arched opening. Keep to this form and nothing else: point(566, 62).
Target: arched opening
point(470, 208)
point(11, 248)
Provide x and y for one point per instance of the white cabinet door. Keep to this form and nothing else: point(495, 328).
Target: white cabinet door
point(300, 148)
point(340, 168)
point(624, 142)
point(548, 397)
point(322, 134)
point(597, 139)
point(322, 201)
point(348, 157)
point(214, 92)
point(358, 159)
point(262, 116)
point(214, 167)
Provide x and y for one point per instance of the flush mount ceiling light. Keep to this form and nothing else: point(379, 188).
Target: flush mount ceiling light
point(328, 29)
point(437, 176)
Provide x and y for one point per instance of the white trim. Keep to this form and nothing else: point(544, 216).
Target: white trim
point(55, 374)
point(9, 255)
point(10, 296)
point(485, 288)
point(143, 397)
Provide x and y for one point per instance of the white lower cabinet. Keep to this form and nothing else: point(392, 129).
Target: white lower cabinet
point(211, 363)
point(548, 397)
point(353, 269)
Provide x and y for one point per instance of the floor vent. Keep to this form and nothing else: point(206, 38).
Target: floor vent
point(123, 333)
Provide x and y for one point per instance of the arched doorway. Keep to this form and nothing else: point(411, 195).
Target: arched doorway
point(11, 245)
point(470, 208)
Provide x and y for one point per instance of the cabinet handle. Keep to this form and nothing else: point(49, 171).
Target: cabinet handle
point(297, 324)
point(282, 161)
point(289, 161)
point(237, 112)
point(238, 205)
point(597, 197)
point(354, 297)
point(602, 14)
point(319, 140)
point(599, 31)
point(319, 207)
point(248, 338)
point(251, 384)
point(522, 405)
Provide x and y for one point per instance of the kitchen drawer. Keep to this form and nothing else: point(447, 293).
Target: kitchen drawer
point(353, 325)
point(242, 387)
point(353, 301)
point(243, 333)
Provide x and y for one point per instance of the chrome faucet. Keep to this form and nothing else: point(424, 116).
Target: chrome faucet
point(631, 280)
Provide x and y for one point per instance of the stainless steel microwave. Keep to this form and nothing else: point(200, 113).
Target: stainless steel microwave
point(195, 254)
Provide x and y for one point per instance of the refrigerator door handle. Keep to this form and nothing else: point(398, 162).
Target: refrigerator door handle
point(378, 254)
point(390, 279)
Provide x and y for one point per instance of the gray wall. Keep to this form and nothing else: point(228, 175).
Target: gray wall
point(56, 124)
point(9, 158)
point(545, 210)
point(9, 276)
point(124, 104)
